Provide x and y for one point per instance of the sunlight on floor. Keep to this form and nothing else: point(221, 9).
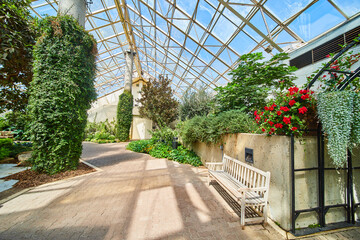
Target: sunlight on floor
point(152, 207)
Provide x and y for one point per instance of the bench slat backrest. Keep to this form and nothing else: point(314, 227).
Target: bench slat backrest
point(247, 175)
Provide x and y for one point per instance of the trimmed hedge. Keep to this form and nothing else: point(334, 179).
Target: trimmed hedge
point(124, 116)
point(61, 93)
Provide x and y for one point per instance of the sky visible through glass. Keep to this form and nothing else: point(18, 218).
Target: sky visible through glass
point(197, 42)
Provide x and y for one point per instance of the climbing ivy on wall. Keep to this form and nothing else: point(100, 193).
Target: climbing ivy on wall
point(124, 116)
point(61, 93)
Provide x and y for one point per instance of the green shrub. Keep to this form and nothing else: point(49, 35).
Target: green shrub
point(140, 146)
point(124, 116)
point(6, 143)
point(183, 155)
point(4, 152)
point(61, 93)
point(161, 150)
point(164, 134)
point(210, 129)
point(10, 149)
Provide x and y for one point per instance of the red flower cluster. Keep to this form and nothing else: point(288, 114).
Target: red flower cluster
point(284, 115)
point(302, 110)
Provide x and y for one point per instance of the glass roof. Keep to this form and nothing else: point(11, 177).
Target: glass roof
point(197, 42)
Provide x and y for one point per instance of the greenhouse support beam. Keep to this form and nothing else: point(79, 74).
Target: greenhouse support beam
point(129, 60)
point(272, 43)
point(126, 24)
point(74, 8)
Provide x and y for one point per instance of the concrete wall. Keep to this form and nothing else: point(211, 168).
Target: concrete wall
point(106, 108)
point(273, 154)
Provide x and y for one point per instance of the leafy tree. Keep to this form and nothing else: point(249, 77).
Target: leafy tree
point(61, 93)
point(195, 104)
point(252, 80)
point(157, 102)
point(124, 116)
point(18, 36)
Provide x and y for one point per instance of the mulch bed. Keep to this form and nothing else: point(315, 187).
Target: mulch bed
point(30, 178)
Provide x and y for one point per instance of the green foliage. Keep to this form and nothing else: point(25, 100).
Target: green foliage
point(17, 122)
point(106, 126)
point(164, 134)
point(6, 143)
point(157, 102)
point(288, 113)
point(195, 103)
point(141, 146)
point(162, 150)
point(336, 112)
point(124, 116)
point(100, 132)
point(61, 93)
point(183, 155)
point(4, 124)
point(210, 129)
point(332, 80)
point(9, 149)
point(160, 146)
point(17, 40)
point(252, 80)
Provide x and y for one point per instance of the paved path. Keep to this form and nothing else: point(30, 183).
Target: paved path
point(134, 197)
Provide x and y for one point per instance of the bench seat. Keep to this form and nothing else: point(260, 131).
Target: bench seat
point(247, 184)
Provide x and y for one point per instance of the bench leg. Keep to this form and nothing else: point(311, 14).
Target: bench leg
point(208, 179)
point(242, 215)
point(265, 214)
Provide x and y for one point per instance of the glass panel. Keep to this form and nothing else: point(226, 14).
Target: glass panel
point(350, 7)
point(224, 29)
point(319, 18)
point(286, 8)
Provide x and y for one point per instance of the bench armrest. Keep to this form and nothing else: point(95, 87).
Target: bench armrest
point(214, 163)
point(252, 189)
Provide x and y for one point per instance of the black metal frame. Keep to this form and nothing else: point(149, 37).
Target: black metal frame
point(349, 205)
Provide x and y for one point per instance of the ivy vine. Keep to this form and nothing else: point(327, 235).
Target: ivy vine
point(61, 93)
point(340, 118)
point(124, 116)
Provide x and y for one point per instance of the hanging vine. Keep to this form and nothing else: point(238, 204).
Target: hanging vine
point(340, 120)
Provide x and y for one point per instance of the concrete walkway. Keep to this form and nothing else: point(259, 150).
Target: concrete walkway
point(134, 197)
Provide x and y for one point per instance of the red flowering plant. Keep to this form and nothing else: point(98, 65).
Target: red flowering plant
point(288, 113)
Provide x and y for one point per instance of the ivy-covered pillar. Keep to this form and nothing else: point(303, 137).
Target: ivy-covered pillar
point(75, 8)
point(129, 62)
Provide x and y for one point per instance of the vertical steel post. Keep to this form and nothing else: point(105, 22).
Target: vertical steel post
point(321, 193)
point(350, 197)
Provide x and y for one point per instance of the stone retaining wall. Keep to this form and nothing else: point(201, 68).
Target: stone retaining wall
point(273, 154)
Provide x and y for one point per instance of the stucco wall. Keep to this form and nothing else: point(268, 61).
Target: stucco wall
point(273, 154)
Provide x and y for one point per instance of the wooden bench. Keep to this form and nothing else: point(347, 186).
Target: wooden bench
point(6, 134)
point(247, 184)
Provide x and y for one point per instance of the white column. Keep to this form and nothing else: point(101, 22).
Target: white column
point(129, 62)
point(75, 8)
